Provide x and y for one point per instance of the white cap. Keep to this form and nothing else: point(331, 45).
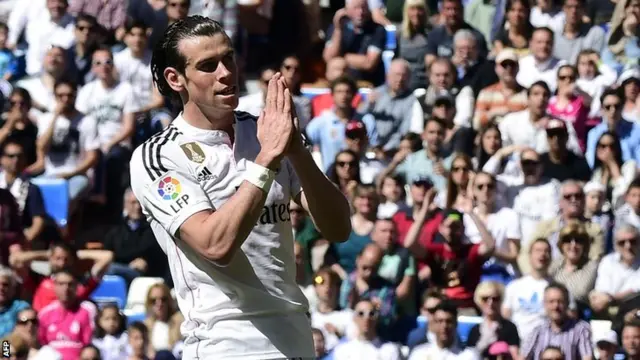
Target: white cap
point(630, 73)
point(594, 186)
point(506, 54)
point(609, 336)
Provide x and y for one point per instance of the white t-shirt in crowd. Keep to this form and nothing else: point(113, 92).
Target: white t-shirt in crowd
point(524, 297)
point(533, 204)
point(39, 92)
point(342, 320)
point(71, 139)
point(531, 71)
point(432, 351)
point(361, 349)
point(517, 129)
point(41, 33)
point(504, 224)
point(107, 106)
point(615, 277)
point(136, 72)
point(251, 308)
point(554, 19)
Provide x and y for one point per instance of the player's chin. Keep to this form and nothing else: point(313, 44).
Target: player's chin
point(229, 102)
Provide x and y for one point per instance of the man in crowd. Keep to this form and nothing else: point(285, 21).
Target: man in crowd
point(10, 304)
point(559, 162)
point(540, 65)
point(631, 340)
point(80, 54)
point(354, 36)
point(576, 35)
point(336, 67)
point(40, 87)
point(425, 332)
point(357, 140)
point(572, 336)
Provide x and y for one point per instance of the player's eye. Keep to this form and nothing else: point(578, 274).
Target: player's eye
point(208, 66)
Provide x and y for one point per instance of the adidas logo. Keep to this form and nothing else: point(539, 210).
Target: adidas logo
point(205, 174)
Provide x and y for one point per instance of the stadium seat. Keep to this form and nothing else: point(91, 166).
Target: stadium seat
point(112, 290)
point(310, 92)
point(138, 292)
point(135, 316)
point(391, 37)
point(55, 193)
point(465, 323)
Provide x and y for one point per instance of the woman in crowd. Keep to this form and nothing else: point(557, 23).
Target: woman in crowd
point(163, 320)
point(392, 196)
point(412, 41)
point(345, 172)
point(327, 315)
point(18, 124)
point(502, 223)
point(489, 141)
point(517, 29)
point(610, 170)
point(493, 328)
point(457, 183)
point(622, 46)
point(574, 269)
point(365, 208)
point(570, 103)
point(593, 77)
point(629, 81)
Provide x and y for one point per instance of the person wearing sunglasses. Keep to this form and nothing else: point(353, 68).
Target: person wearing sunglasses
point(424, 331)
point(85, 41)
point(610, 170)
point(27, 325)
point(327, 131)
point(572, 203)
point(367, 344)
point(493, 328)
point(612, 101)
point(618, 276)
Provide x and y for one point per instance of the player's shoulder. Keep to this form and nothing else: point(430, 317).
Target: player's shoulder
point(157, 155)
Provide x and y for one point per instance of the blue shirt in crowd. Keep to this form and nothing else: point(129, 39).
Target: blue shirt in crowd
point(629, 133)
point(9, 314)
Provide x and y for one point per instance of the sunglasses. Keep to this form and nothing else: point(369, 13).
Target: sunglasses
point(566, 77)
point(529, 162)
point(556, 133)
point(605, 146)
point(430, 310)
point(488, 186)
point(577, 239)
point(367, 314)
point(495, 299)
point(423, 183)
point(353, 135)
point(345, 163)
point(573, 196)
point(610, 107)
point(24, 321)
point(105, 62)
point(460, 168)
point(632, 242)
point(508, 64)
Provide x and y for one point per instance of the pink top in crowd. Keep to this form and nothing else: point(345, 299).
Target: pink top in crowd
point(66, 330)
point(576, 113)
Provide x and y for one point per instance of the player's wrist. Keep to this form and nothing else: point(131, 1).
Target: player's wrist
point(258, 175)
point(267, 161)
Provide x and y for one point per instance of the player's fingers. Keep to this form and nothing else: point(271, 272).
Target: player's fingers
point(272, 90)
point(287, 101)
point(280, 96)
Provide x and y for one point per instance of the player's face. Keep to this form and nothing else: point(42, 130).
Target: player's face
point(211, 74)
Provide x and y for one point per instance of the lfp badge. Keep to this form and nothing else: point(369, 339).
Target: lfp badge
point(169, 188)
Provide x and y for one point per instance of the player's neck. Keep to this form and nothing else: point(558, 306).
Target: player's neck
point(195, 117)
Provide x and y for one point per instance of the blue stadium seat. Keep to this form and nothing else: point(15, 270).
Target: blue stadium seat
point(391, 37)
point(56, 198)
point(131, 318)
point(465, 323)
point(112, 289)
point(310, 93)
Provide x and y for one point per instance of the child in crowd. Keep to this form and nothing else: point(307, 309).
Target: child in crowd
point(138, 341)
point(393, 195)
point(110, 336)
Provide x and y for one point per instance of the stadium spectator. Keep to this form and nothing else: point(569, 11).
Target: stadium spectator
point(574, 269)
point(109, 335)
point(523, 296)
point(163, 320)
point(445, 346)
point(473, 70)
point(501, 221)
point(110, 15)
point(315, 247)
point(66, 324)
point(629, 212)
point(559, 162)
point(440, 40)
point(18, 125)
point(11, 231)
point(336, 68)
point(10, 304)
point(503, 97)
point(631, 340)
point(9, 66)
point(81, 53)
point(609, 169)
point(458, 189)
point(27, 195)
point(612, 120)
point(455, 263)
point(319, 345)
point(15, 348)
point(547, 14)
point(593, 77)
point(528, 127)
point(60, 256)
point(494, 328)
point(354, 36)
point(458, 137)
point(345, 172)
point(27, 328)
point(622, 49)
point(576, 35)
point(571, 209)
point(90, 352)
point(489, 144)
point(618, 275)
point(392, 197)
point(332, 321)
point(365, 283)
point(572, 336)
point(425, 330)
point(570, 104)
point(139, 342)
point(395, 108)
point(606, 344)
point(595, 211)
point(367, 344)
point(413, 41)
point(357, 140)
point(68, 143)
point(169, 13)
point(327, 131)
point(291, 70)
point(629, 81)
point(254, 103)
point(516, 33)
point(41, 87)
point(540, 64)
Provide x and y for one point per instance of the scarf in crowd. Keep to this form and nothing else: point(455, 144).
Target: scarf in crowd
point(19, 189)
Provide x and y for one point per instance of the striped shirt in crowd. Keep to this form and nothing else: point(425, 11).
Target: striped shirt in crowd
point(492, 102)
point(574, 339)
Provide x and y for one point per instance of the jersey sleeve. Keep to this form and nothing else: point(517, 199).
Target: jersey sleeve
point(165, 186)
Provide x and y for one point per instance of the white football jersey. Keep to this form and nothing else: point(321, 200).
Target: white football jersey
point(252, 308)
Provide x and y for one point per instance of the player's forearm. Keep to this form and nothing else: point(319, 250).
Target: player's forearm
point(328, 207)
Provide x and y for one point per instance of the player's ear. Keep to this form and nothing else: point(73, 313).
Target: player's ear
point(175, 80)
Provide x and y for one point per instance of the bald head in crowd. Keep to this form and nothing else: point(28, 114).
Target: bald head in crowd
point(398, 75)
point(368, 261)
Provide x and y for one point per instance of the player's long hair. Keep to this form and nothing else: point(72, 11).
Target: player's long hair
point(166, 53)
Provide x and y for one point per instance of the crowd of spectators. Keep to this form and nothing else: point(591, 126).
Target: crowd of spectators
point(489, 150)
